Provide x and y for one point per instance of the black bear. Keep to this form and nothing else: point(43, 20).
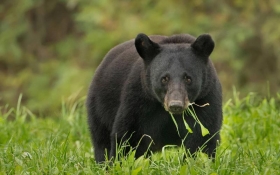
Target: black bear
point(140, 82)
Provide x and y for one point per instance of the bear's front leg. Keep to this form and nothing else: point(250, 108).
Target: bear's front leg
point(124, 134)
point(120, 143)
point(211, 146)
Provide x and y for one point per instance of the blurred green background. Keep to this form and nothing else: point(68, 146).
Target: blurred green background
point(49, 49)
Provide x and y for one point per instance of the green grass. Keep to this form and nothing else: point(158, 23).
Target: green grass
point(32, 145)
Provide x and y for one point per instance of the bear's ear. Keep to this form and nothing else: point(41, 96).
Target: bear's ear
point(203, 45)
point(145, 47)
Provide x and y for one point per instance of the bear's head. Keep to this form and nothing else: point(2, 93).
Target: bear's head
point(175, 72)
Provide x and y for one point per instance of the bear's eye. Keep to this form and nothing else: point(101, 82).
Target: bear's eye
point(165, 79)
point(187, 79)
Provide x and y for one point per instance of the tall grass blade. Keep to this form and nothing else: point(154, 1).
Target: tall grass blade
point(175, 123)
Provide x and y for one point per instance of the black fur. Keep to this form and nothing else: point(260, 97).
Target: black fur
point(135, 85)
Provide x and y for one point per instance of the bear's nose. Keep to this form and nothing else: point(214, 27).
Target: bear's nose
point(176, 106)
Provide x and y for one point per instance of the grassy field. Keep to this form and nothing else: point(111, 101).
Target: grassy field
point(32, 145)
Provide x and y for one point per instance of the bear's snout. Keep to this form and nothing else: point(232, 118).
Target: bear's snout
point(176, 106)
point(176, 102)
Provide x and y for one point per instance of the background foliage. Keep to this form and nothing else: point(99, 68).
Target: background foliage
point(49, 49)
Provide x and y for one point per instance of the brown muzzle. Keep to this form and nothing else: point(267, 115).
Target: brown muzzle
point(176, 102)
